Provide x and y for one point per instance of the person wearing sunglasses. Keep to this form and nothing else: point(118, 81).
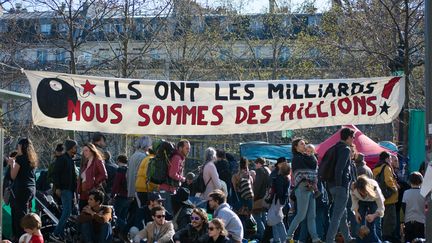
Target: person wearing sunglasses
point(217, 232)
point(196, 231)
point(160, 230)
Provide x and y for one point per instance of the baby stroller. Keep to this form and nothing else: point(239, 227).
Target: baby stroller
point(50, 213)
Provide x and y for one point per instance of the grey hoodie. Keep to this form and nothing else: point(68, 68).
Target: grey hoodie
point(232, 222)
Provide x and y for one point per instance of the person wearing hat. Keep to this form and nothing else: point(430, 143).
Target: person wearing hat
point(154, 200)
point(182, 208)
point(64, 180)
point(361, 167)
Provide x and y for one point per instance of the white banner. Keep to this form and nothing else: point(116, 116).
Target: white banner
point(134, 106)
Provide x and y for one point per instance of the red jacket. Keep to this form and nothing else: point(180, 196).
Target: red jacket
point(96, 174)
point(175, 173)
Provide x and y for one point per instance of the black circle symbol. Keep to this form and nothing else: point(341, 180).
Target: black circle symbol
point(53, 95)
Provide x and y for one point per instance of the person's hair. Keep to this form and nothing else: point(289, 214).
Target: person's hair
point(220, 153)
point(415, 178)
point(218, 196)
point(98, 195)
point(384, 155)
point(155, 209)
point(94, 151)
point(210, 154)
point(29, 151)
point(13, 154)
point(243, 165)
point(182, 143)
point(363, 183)
point(260, 160)
point(122, 158)
point(220, 226)
point(359, 158)
point(201, 213)
point(31, 221)
point(59, 147)
point(345, 133)
point(295, 143)
point(281, 160)
point(97, 137)
point(284, 169)
point(311, 146)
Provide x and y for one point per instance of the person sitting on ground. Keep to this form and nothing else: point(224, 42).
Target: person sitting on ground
point(95, 219)
point(217, 232)
point(182, 208)
point(222, 210)
point(196, 231)
point(159, 230)
point(31, 223)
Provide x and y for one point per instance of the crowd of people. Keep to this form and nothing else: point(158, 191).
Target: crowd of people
point(222, 201)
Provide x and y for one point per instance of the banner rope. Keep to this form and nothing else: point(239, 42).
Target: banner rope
point(12, 67)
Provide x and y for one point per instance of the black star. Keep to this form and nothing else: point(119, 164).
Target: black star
point(384, 108)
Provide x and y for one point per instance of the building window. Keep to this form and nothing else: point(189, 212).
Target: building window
point(62, 28)
point(60, 56)
point(42, 56)
point(284, 54)
point(257, 51)
point(45, 28)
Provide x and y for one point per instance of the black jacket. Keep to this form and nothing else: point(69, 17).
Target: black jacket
point(189, 234)
point(64, 176)
point(221, 239)
point(342, 173)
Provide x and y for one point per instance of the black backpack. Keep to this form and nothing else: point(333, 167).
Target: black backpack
point(199, 185)
point(326, 169)
point(158, 167)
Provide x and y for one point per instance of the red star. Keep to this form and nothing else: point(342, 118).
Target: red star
point(88, 87)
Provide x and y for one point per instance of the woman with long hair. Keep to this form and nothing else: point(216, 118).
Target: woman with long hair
point(92, 173)
point(367, 205)
point(22, 172)
point(217, 232)
point(305, 171)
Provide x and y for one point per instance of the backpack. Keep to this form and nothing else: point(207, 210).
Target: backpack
point(199, 185)
point(245, 187)
point(158, 166)
point(386, 190)
point(326, 169)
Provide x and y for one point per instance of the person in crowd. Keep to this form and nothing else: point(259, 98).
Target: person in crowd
point(339, 187)
point(95, 219)
point(182, 208)
point(119, 195)
point(196, 230)
point(32, 224)
point(64, 180)
point(305, 170)
point(260, 187)
point(190, 176)
point(361, 167)
point(142, 150)
point(275, 171)
point(368, 207)
point(217, 232)
point(159, 230)
point(313, 184)
point(242, 184)
point(175, 172)
point(142, 184)
point(22, 172)
point(210, 173)
point(59, 150)
point(222, 210)
point(223, 169)
point(154, 200)
point(275, 214)
point(99, 140)
point(233, 166)
point(389, 220)
point(413, 205)
point(92, 173)
point(402, 186)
